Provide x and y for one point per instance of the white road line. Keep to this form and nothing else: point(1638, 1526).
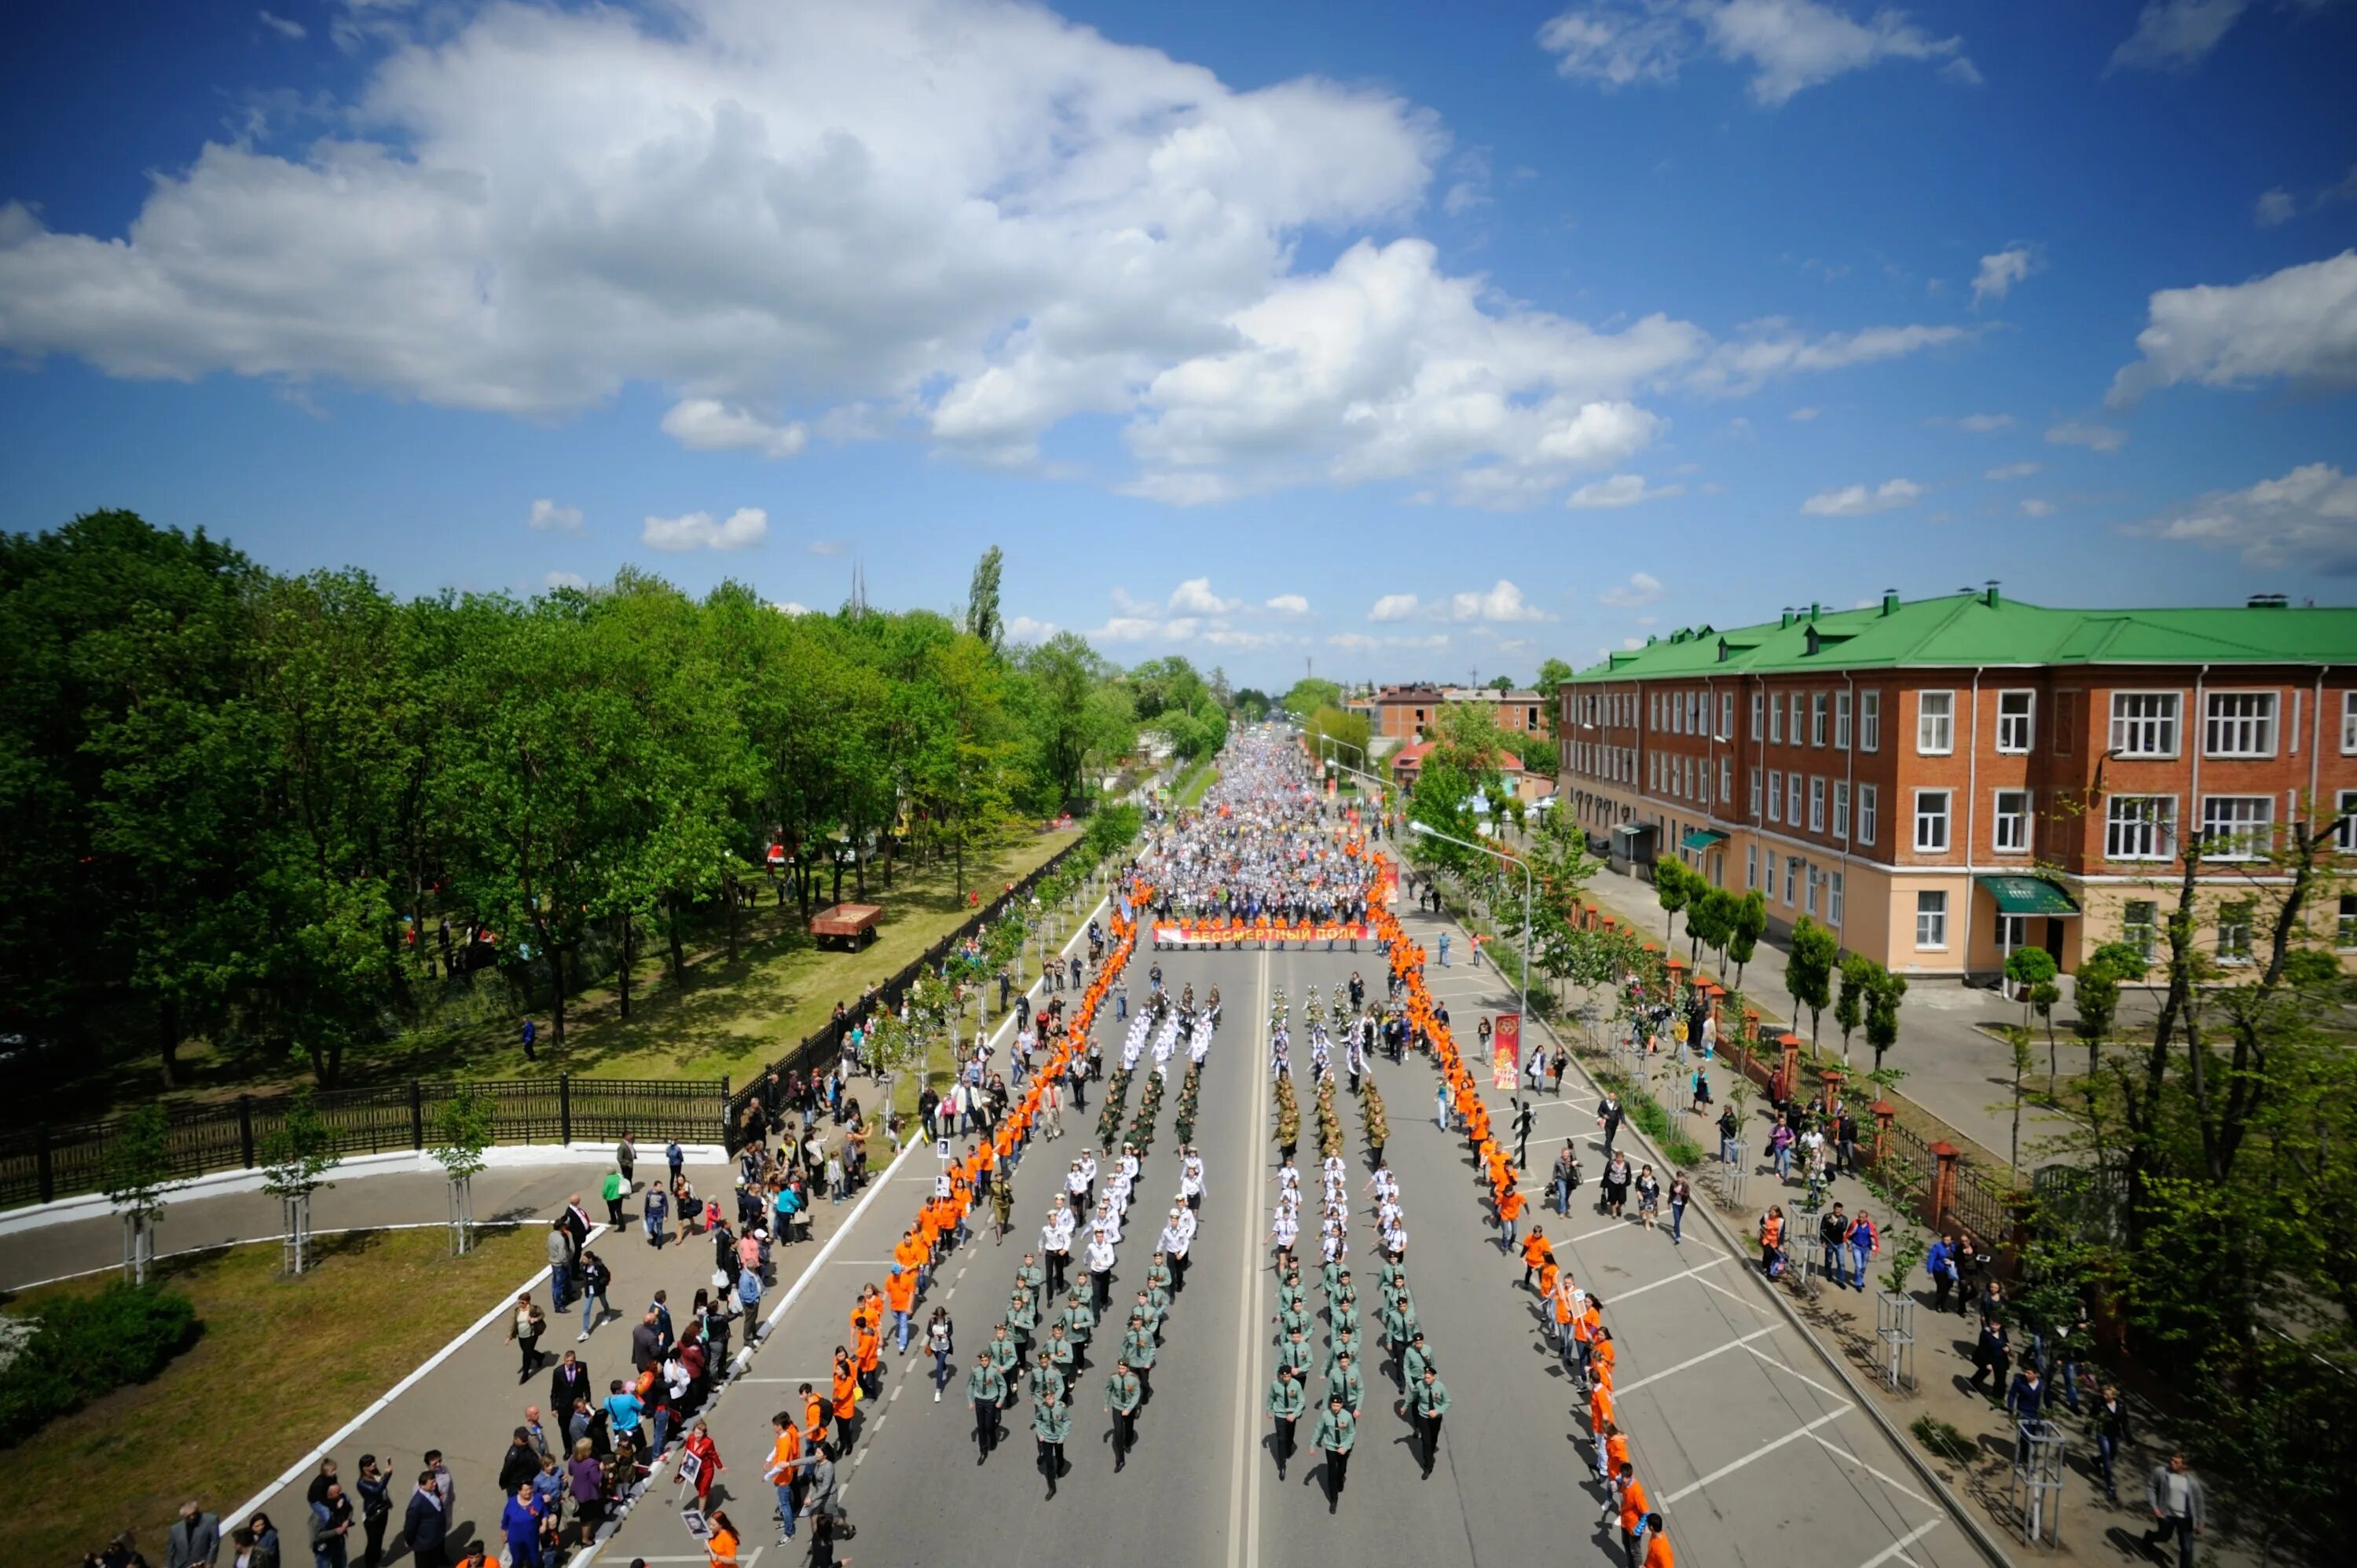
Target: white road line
point(1899, 1548)
point(1692, 1361)
point(1243, 1475)
point(1839, 1452)
point(1761, 1452)
point(1674, 1279)
point(1744, 1300)
point(1829, 1393)
point(858, 1262)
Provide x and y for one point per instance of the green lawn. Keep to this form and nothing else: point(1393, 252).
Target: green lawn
point(280, 1363)
point(726, 1018)
point(1191, 789)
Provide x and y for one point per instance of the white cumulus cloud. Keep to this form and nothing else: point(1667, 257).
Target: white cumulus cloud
point(2175, 35)
point(1288, 604)
point(1857, 500)
point(1619, 490)
point(1790, 45)
point(1642, 588)
point(550, 518)
point(2000, 272)
point(286, 27)
point(1982, 424)
point(1195, 596)
point(2034, 507)
point(2104, 438)
point(2014, 471)
point(1023, 628)
point(557, 580)
point(704, 425)
point(2305, 521)
point(2274, 209)
point(748, 525)
point(1394, 607)
point(2298, 326)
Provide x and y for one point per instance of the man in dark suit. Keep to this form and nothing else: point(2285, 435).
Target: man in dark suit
point(196, 1539)
point(426, 1527)
point(568, 1382)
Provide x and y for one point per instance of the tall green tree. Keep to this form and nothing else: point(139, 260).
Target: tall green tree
point(1808, 972)
point(983, 619)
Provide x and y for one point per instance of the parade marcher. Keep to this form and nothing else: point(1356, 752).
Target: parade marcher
point(1124, 1394)
point(1338, 1433)
point(1285, 1402)
point(1429, 1403)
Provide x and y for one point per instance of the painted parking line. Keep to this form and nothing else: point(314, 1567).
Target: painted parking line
point(1899, 1548)
point(1692, 1361)
point(1671, 1280)
point(1838, 1452)
point(1747, 1301)
point(1788, 1371)
point(1761, 1452)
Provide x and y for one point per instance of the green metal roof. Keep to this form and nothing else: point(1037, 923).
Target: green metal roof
point(1703, 838)
point(2028, 896)
point(1968, 629)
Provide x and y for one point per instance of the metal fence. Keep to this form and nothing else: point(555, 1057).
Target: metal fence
point(826, 1044)
point(50, 1161)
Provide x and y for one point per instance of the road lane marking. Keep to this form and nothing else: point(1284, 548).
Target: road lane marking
point(1829, 1393)
point(1899, 1548)
point(1244, 1479)
point(1693, 1362)
point(1761, 1452)
point(1674, 1279)
point(1743, 1300)
point(1839, 1452)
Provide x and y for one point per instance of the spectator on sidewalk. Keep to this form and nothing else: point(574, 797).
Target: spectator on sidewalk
point(2178, 1508)
point(195, 1541)
point(2111, 1428)
point(625, 1159)
point(1939, 1262)
point(425, 1526)
point(560, 1265)
point(617, 1187)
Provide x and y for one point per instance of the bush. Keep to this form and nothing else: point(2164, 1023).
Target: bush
point(87, 1345)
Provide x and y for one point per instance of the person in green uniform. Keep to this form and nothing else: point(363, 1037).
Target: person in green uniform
point(1124, 1394)
point(1157, 1272)
point(1044, 1382)
point(1341, 1348)
point(1138, 1352)
point(1331, 1276)
point(1285, 1401)
point(1078, 1322)
point(1290, 1295)
point(1293, 1356)
point(1428, 1401)
point(1342, 1383)
point(1397, 1326)
point(1020, 1321)
point(1414, 1359)
point(1342, 1317)
point(1158, 1298)
point(1059, 1351)
point(1050, 1425)
point(1003, 1355)
point(1338, 1433)
point(1290, 1319)
point(1146, 1309)
point(1030, 1275)
point(987, 1387)
point(1002, 1209)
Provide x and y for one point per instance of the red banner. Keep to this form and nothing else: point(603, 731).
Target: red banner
point(1177, 935)
point(1506, 1051)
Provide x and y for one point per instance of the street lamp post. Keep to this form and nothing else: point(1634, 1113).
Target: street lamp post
point(1522, 988)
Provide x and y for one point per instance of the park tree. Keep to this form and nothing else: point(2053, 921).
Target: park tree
point(1553, 674)
point(1672, 888)
point(463, 1130)
point(136, 1179)
point(983, 620)
point(1886, 992)
point(1751, 925)
point(1859, 973)
point(297, 1156)
point(1310, 694)
point(1808, 973)
point(1710, 918)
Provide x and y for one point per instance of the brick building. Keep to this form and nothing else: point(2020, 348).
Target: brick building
point(1409, 713)
point(1943, 780)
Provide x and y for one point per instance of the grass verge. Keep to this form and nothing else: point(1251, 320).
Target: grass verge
point(1191, 789)
point(277, 1366)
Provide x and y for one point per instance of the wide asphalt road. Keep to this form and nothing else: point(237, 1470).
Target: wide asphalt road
point(1740, 1435)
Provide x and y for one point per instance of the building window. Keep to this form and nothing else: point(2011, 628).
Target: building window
point(1816, 718)
point(1653, 711)
point(2235, 827)
point(2344, 829)
point(1867, 798)
point(1696, 709)
point(1930, 821)
point(1776, 721)
point(2234, 931)
point(1750, 866)
point(1775, 795)
point(1726, 781)
point(1691, 787)
point(2010, 834)
point(2238, 723)
point(2348, 722)
point(1791, 876)
point(1813, 890)
point(1755, 791)
point(1816, 805)
point(2140, 925)
point(1841, 721)
point(1726, 715)
point(1930, 919)
point(2346, 936)
point(2140, 827)
point(1800, 709)
point(2143, 723)
point(1834, 900)
point(1770, 886)
point(1841, 808)
point(2016, 718)
point(1935, 722)
point(1870, 721)
point(1757, 701)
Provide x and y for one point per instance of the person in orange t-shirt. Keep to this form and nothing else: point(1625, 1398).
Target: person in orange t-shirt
point(1510, 1211)
point(1634, 1506)
point(1538, 1258)
point(1657, 1544)
point(845, 1400)
point(814, 1418)
point(1601, 1354)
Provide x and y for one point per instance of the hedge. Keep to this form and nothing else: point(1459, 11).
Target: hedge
point(87, 1345)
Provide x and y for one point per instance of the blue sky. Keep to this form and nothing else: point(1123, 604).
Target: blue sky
point(1400, 340)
